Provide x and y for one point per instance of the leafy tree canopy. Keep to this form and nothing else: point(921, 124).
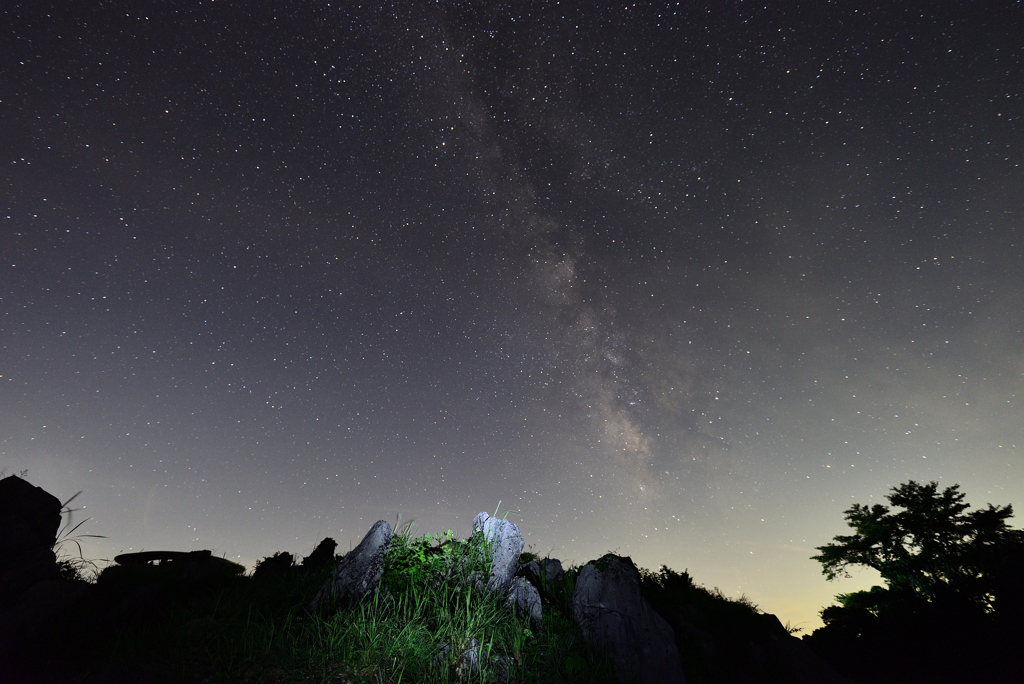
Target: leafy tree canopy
point(934, 548)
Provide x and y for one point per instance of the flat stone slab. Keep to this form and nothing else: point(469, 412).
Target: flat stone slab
point(147, 557)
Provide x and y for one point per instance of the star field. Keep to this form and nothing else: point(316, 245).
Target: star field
point(682, 281)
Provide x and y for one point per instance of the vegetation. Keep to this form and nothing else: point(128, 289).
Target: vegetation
point(155, 623)
point(71, 566)
point(951, 605)
point(718, 637)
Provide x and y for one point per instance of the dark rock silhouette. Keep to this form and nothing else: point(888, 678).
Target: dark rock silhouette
point(542, 572)
point(29, 520)
point(273, 567)
point(359, 571)
point(322, 556)
point(144, 586)
point(190, 568)
point(33, 596)
point(614, 615)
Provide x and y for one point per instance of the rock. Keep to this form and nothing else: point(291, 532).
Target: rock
point(322, 555)
point(530, 571)
point(272, 567)
point(545, 570)
point(542, 575)
point(550, 569)
point(188, 568)
point(146, 586)
point(505, 544)
point(525, 599)
point(614, 616)
point(755, 646)
point(359, 571)
point(29, 520)
point(203, 569)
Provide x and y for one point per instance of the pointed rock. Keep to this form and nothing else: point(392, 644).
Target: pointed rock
point(506, 545)
point(359, 571)
point(322, 555)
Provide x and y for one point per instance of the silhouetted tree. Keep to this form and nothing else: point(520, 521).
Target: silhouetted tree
point(951, 605)
point(934, 549)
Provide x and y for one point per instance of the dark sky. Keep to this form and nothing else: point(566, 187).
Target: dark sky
point(682, 281)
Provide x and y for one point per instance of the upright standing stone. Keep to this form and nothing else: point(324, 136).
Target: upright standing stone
point(506, 545)
point(359, 571)
point(29, 522)
point(608, 606)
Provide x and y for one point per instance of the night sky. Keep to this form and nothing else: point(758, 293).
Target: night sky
point(680, 281)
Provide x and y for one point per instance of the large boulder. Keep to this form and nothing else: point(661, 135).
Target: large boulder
point(744, 647)
point(614, 616)
point(359, 571)
point(29, 521)
point(505, 544)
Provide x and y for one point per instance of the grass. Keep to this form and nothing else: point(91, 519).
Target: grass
point(417, 628)
point(148, 624)
point(73, 567)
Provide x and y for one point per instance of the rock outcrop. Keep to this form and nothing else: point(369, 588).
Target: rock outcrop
point(525, 599)
point(273, 567)
point(29, 521)
point(189, 569)
point(609, 608)
point(542, 574)
point(550, 569)
point(359, 571)
point(323, 555)
point(745, 646)
point(505, 544)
